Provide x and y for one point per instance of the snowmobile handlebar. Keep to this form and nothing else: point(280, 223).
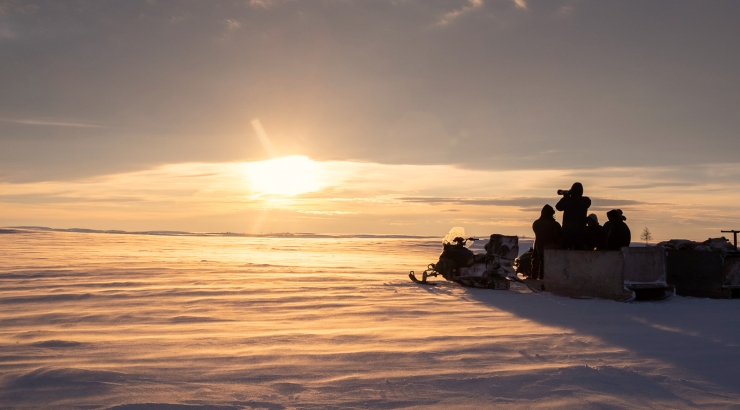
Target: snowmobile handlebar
point(463, 241)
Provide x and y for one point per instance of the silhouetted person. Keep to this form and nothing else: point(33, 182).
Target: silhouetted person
point(547, 235)
point(595, 234)
point(619, 235)
point(608, 224)
point(574, 206)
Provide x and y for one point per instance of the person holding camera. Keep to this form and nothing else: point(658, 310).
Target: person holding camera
point(575, 207)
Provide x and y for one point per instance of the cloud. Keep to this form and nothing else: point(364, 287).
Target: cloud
point(8, 7)
point(520, 202)
point(471, 5)
point(6, 33)
point(567, 9)
point(52, 199)
point(652, 185)
point(180, 17)
point(522, 4)
point(617, 202)
point(262, 4)
point(51, 123)
point(422, 199)
point(328, 212)
point(231, 24)
point(517, 202)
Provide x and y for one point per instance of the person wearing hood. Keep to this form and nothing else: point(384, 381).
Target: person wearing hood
point(608, 224)
point(595, 234)
point(574, 206)
point(619, 235)
point(548, 235)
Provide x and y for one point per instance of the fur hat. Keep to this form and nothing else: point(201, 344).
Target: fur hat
point(615, 215)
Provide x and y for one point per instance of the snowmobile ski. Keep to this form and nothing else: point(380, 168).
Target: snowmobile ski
point(534, 285)
point(412, 276)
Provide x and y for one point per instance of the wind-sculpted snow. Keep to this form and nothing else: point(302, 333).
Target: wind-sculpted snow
point(141, 322)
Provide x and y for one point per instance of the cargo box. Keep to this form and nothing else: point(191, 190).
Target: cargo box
point(615, 275)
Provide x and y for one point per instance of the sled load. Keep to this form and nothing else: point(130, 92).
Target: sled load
point(491, 270)
point(704, 269)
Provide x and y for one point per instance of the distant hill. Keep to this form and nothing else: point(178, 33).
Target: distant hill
point(20, 229)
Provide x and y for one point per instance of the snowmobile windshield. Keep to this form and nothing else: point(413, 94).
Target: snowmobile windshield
point(454, 233)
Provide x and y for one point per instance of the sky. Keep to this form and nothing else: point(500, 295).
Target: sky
point(374, 116)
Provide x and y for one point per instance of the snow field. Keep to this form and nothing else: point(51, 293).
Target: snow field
point(137, 322)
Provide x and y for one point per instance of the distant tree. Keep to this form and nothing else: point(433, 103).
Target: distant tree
point(646, 235)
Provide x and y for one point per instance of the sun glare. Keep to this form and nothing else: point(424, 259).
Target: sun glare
point(285, 176)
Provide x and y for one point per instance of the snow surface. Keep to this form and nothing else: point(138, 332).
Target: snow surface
point(176, 322)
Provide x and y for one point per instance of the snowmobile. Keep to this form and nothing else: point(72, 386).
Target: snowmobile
point(491, 270)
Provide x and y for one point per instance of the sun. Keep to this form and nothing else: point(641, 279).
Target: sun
point(287, 176)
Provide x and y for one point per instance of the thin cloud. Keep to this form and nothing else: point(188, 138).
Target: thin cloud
point(454, 14)
point(653, 185)
point(517, 202)
point(179, 18)
point(520, 202)
point(231, 24)
point(328, 212)
point(617, 202)
point(567, 9)
point(261, 4)
point(522, 4)
point(9, 7)
point(60, 199)
point(51, 123)
point(6, 33)
point(360, 198)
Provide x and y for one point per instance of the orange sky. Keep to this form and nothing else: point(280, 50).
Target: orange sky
point(296, 194)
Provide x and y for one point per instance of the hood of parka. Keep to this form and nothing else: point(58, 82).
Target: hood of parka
point(576, 190)
point(547, 212)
